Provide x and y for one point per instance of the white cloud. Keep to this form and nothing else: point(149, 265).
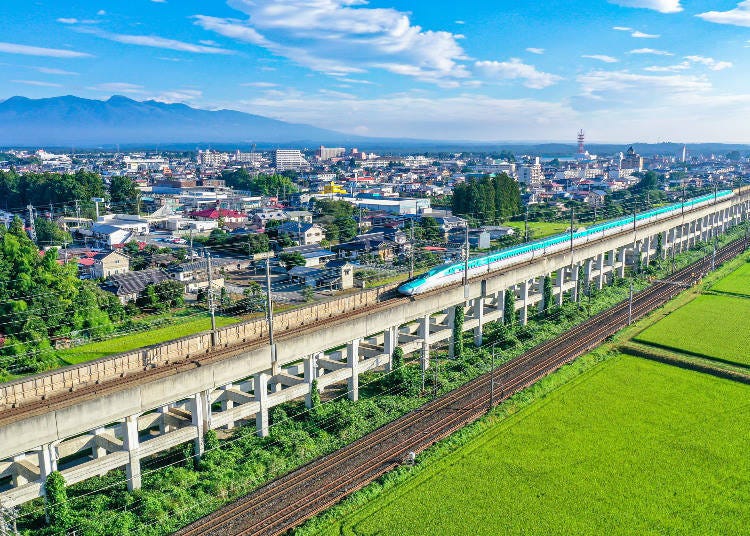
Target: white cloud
point(535, 50)
point(26, 50)
point(685, 65)
point(343, 37)
point(49, 70)
point(515, 69)
point(178, 95)
point(35, 83)
point(155, 42)
point(601, 57)
point(459, 21)
point(711, 63)
point(101, 12)
point(651, 51)
point(739, 16)
point(68, 21)
point(618, 84)
point(662, 6)
point(259, 84)
point(642, 35)
point(635, 33)
point(117, 87)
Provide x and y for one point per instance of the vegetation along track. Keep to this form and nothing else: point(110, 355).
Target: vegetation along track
point(290, 500)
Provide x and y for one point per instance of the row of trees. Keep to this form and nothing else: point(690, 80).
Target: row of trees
point(262, 184)
point(489, 200)
point(337, 218)
point(40, 189)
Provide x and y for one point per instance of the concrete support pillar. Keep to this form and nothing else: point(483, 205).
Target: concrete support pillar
point(16, 478)
point(600, 268)
point(664, 244)
point(261, 395)
point(450, 321)
point(47, 460)
point(501, 305)
point(588, 268)
point(523, 317)
point(621, 262)
point(646, 251)
point(389, 345)
point(227, 404)
point(131, 444)
point(559, 285)
point(310, 364)
point(479, 315)
point(352, 358)
point(424, 334)
point(201, 419)
point(163, 426)
point(574, 278)
point(97, 451)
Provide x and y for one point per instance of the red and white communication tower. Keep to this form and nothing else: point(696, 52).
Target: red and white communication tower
point(581, 140)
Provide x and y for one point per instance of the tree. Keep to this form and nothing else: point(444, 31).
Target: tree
point(125, 195)
point(314, 395)
point(49, 234)
point(547, 295)
point(649, 181)
point(397, 366)
point(431, 230)
point(509, 307)
point(458, 331)
point(58, 507)
point(308, 294)
point(292, 259)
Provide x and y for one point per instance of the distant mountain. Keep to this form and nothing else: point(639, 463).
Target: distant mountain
point(74, 121)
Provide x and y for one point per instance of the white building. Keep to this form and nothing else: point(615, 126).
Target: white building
point(211, 158)
point(531, 174)
point(135, 164)
point(284, 159)
point(326, 153)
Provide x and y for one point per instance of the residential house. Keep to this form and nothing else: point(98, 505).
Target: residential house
point(382, 244)
point(262, 217)
point(335, 275)
point(128, 286)
point(194, 275)
point(303, 233)
point(109, 235)
point(313, 254)
point(108, 264)
point(231, 218)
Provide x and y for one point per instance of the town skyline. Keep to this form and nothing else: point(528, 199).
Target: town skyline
point(623, 69)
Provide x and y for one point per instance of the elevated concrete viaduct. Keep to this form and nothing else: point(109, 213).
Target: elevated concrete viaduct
point(89, 435)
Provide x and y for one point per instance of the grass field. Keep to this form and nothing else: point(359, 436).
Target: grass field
point(738, 282)
point(124, 343)
point(709, 326)
point(540, 229)
point(631, 447)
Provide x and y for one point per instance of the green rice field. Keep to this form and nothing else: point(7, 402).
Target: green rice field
point(630, 447)
point(715, 327)
point(738, 282)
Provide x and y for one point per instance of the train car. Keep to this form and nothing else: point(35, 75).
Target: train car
point(450, 273)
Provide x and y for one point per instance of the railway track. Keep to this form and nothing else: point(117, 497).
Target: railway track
point(293, 498)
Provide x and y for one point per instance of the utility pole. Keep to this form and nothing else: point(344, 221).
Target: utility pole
point(630, 305)
point(269, 312)
point(211, 304)
point(526, 225)
point(713, 258)
point(466, 264)
point(32, 225)
point(411, 250)
point(492, 379)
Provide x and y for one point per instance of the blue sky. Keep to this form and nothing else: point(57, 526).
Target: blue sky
point(624, 70)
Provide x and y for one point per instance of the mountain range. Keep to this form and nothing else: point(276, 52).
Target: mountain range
point(74, 121)
point(69, 121)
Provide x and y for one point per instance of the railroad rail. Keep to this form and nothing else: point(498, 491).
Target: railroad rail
point(288, 501)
